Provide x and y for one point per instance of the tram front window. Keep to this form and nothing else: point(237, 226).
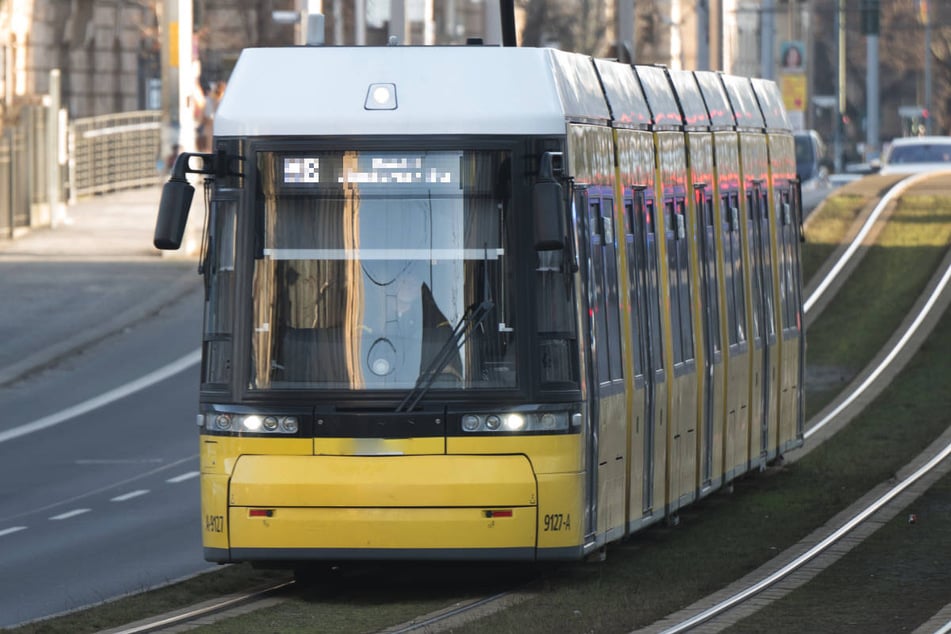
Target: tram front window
point(370, 264)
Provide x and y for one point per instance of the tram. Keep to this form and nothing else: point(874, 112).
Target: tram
point(486, 303)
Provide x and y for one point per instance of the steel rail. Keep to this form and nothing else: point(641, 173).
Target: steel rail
point(898, 189)
point(800, 561)
point(203, 611)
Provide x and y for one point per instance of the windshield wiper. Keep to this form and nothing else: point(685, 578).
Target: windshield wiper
point(470, 320)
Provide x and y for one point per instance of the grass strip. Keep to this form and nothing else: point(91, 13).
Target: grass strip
point(869, 308)
point(883, 585)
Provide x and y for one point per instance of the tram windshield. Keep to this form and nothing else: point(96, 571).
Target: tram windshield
point(370, 264)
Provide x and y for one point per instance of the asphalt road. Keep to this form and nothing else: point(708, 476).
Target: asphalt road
point(98, 481)
point(104, 503)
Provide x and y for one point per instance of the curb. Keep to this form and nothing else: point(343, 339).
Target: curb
point(61, 349)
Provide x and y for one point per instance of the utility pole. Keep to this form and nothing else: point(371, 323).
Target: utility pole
point(625, 31)
point(767, 38)
point(703, 35)
point(870, 28)
point(178, 77)
point(840, 87)
point(398, 22)
point(926, 16)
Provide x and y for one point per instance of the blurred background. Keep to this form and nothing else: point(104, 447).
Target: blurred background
point(172, 58)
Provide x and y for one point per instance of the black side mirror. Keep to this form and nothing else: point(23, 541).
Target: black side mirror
point(176, 200)
point(548, 204)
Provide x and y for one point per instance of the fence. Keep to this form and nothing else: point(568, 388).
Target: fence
point(103, 154)
point(24, 192)
point(112, 152)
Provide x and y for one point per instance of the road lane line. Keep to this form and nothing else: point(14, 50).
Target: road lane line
point(129, 495)
point(102, 400)
point(69, 514)
point(183, 477)
point(11, 530)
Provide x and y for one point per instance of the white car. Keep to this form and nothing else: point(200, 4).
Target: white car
point(910, 155)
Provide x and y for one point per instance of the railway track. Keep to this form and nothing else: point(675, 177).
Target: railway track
point(787, 571)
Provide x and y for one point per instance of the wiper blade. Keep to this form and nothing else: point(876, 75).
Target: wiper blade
point(469, 321)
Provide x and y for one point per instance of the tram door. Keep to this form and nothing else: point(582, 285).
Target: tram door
point(642, 258)
point(764, 331)
point(710, 311)
point(608, 433)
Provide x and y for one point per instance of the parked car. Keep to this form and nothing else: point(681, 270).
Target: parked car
point(811, 163)
point(910, 155)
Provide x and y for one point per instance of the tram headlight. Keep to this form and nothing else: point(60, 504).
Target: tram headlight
point(263, 424)
point(513, 422)
point(471, 423)
point(516, 422)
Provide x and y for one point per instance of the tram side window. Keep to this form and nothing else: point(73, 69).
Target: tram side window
point(603, 289)
point(218, 268)
point(751, 206)
point(680, 322)
point(736, 298)
point(705, 205)
point(787, 278)
point(653, 286)
point(768, 306)
point(554, 299)
point(611, 309)
point(635, 271)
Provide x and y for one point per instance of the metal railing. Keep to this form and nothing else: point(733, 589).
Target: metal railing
point(105, 153)
point(115, 151)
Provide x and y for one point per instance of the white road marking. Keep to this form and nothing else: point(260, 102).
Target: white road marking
point(12, 529)
point(129, 495)
point(183, 477)
point(69, 514)
point(102, 400)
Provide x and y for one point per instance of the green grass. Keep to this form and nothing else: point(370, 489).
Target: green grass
point(823, 236)
point(869, 308)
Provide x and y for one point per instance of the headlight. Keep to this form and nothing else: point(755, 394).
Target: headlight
point(515, 422)
point(251, 423)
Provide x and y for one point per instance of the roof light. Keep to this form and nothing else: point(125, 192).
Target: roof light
point(381, 97)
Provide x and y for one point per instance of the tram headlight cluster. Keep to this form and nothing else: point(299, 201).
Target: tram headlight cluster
point(515, 422)
point(250, 423)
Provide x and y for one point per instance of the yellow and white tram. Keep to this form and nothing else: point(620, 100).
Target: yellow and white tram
point(486, 303)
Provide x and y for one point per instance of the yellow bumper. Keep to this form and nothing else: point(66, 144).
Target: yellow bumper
point(288, 507)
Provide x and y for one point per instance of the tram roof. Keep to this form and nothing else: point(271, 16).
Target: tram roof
point(461, 90)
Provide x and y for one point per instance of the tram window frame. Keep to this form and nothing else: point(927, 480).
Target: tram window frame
point(704, 202)
point(769, 294)
point(733, 255)
point(756, 273)
point(218, 268)
point(603, 288)
point(686, 294)
point(787, 277)
point(652, 286)
point(635, 284)
point(612, 303)
point(679, 281)
point(673, 280)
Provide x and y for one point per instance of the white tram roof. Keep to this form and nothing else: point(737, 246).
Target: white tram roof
point(457, 90)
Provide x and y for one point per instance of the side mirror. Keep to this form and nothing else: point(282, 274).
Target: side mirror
point(548, 205)
point(173, 213)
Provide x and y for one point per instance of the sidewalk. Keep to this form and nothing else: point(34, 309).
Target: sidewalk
point(68, 287)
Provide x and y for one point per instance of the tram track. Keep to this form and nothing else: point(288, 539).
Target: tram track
point(714, 613)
